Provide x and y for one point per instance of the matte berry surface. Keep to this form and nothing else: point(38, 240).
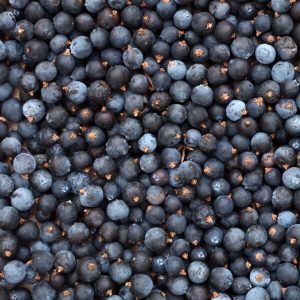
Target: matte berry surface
point(149, 149)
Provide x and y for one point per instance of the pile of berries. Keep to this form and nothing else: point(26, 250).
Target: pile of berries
point(149, 149)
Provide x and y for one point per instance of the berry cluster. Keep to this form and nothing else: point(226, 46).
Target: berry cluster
point(149, 149)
